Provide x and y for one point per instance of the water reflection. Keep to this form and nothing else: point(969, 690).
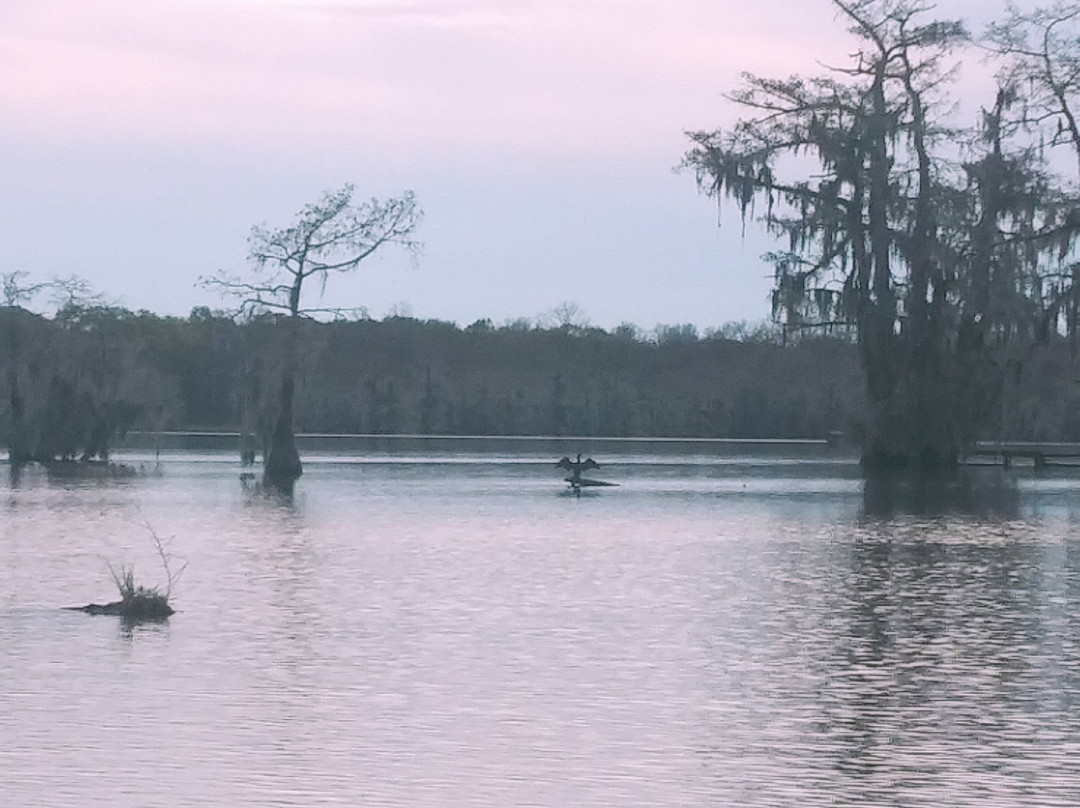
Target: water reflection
point(132, 626)
point(944, 667)
point(986, 492)
point(280, 493)
point(916, 660)
point(434, 634)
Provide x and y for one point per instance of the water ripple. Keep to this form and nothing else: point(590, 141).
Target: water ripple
point(480, 640)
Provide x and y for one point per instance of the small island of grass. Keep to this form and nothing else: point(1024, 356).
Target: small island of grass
point(138, 602)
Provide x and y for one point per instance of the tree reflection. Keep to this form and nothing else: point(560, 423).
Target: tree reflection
point(949, 645)
point(867, 654)
point(980, 492)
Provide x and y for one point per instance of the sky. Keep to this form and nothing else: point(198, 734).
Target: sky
point(142, 139)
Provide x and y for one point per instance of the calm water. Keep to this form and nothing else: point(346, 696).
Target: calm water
point(441, 626)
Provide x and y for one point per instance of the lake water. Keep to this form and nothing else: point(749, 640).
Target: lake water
point(440, 624)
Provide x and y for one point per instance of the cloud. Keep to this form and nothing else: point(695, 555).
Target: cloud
point(580, 76)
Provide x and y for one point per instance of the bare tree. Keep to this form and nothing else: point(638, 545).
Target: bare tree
point(568, 316)
point(331, 236)
point(15, 289)
point(74, 293)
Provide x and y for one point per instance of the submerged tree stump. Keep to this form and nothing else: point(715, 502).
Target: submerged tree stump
point(282, 467)
point(144, 606)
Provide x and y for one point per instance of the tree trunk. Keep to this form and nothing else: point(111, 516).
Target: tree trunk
point(18, 442)
point(282, 467)
point(944, 398)
point(916, 430)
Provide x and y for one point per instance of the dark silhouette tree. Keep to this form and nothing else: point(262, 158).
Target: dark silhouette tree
point(17, 291)
point(330, 236)
point(65, 377)
point(934, 268)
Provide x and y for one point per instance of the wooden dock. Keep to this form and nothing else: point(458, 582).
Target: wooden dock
point(1040, 455)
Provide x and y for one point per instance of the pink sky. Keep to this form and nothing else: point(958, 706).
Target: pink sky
point(142, 139)
point(550, 75)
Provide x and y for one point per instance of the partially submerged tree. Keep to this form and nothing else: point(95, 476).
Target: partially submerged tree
point(16, 292)
point(66, 378)
point(938, 263)
point(330, 236)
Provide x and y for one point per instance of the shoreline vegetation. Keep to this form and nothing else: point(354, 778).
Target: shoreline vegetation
point(85, 377)
point(88, 375)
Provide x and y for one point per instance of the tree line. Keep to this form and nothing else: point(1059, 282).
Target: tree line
point(72, 382)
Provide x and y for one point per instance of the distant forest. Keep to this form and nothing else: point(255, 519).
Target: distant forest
point(72, 381)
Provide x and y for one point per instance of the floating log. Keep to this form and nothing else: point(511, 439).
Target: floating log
point(141, 608)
